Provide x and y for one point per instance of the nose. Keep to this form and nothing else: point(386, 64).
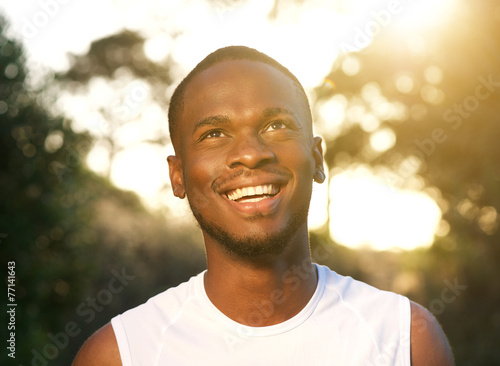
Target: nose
point(249, 151)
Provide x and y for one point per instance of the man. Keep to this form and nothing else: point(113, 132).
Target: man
point(246, 158)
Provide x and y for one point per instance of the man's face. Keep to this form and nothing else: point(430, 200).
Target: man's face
point(246, 156)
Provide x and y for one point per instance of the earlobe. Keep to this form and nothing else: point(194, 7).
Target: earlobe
point(176, 177)
point(319, 174)
point(319, 177)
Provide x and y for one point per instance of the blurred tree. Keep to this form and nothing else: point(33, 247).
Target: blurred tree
point(119, 58)
point(69, 231)
point(439, 94)
point(436, 92)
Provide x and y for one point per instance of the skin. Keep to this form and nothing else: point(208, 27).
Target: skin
point(227, 139)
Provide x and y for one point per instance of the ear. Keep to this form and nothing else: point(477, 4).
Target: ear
point(319, 172)
point(176, 177)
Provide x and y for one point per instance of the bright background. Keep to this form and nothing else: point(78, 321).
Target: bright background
point(404, 93)
point(365, 209)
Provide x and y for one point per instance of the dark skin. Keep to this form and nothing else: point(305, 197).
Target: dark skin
point(245, 124)
point(248, 140)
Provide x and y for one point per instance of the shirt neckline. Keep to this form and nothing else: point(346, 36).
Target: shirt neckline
point(249, 331)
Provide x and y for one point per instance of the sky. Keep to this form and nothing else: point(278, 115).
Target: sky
point(365, 210)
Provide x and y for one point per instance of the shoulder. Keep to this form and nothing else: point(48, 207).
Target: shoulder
point(359, 294)
point(100, 349)
point(429, 345)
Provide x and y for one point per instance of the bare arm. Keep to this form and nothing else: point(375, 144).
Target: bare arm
point(429, 346)
point(100, 349)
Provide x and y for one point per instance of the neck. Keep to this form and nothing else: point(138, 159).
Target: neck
point(261, 291)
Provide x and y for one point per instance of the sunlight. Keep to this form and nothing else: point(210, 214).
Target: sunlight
point(365, 211)
point(424, 14)
point(391, 217)
point(142, 169)
point(318, 209)
point(292, 39)
point(307, 37)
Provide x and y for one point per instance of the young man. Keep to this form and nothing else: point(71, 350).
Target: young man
point(246, 158)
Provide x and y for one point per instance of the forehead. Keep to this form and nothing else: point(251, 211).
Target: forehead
point(238, 88)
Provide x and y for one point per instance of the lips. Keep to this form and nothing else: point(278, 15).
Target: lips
point(253, 193)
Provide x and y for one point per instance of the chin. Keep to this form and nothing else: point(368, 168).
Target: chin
point(256, 243)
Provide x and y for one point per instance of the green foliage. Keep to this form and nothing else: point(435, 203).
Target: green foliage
point(453, 142)
point(70, 231)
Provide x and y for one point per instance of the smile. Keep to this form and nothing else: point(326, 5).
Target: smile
point(253, 194)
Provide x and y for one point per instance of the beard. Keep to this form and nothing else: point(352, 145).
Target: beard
point(256, 244)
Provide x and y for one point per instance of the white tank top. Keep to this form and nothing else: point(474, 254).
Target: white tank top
point(346, 322)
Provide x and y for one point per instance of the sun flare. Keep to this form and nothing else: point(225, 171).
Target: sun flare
point(307, 37)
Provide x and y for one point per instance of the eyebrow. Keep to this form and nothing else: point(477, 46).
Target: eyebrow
point(275, 111)
point(213, 121)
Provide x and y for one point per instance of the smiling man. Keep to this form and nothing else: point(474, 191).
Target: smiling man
point(246, 158)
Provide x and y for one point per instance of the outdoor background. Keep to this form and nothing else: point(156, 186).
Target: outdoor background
point(406, 95)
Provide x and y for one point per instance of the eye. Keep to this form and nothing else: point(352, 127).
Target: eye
point(276, 125)
point(212, 134)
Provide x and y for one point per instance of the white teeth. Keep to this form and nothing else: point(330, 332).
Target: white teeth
point(268, 189)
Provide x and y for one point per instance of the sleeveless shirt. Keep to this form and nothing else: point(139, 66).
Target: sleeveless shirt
point(346, 322)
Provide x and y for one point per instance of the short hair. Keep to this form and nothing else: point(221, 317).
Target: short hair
point(220, 55)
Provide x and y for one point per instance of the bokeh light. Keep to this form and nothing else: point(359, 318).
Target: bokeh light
point(307, 37)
